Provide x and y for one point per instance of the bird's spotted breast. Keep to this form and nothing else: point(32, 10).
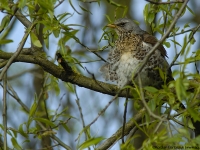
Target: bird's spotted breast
point(129, 51)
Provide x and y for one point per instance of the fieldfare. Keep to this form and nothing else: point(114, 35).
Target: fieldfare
point(129, 50)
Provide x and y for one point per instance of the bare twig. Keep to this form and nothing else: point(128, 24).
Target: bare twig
point(125, 111)
point(90, 1)
point(145, 104)
point(17, 52)
point(103, 110)
point(80, 111)
point(191, 37)
point(171, 2)
point(189, 30)
point(39, 123)
point(107, 144)
point(5, 109)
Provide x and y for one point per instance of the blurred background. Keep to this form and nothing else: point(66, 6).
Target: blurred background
point(27, 79)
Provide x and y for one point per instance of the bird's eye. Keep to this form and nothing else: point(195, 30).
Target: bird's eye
point(121, 24)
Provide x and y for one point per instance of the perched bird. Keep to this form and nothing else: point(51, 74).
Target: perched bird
point(129, 50)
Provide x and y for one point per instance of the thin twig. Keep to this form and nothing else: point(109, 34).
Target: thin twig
point(17, 52)
point(191, 37)
point(5, 109)
point(80, 111)
point(103, 110)
point(125, 111)
point(59, 3)
point(189, 30)
point(171, 2)
point(108, 143)
point(90, 1)
point(145, 104)
point(40, 124)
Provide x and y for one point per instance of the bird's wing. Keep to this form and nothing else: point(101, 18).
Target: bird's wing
point(152, 40)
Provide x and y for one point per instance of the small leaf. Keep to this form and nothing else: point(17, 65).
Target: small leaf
point(176, 43)
point(84, 9)
point(190, 10)
point(5, 41)
point(46, 121)
point(192, 41)
point(22, 3)
point(33, 109)
point(15, 144)
point(151, 89)
point(180, 89)
point(184, 131)
point(190, 124)
point(4, 23)
point(151, 17)
point(167, 44)
point(66, 127)
point(186, 25)
point(90, 142)
point(152, 104)
point(21, 131)
point(34, 40)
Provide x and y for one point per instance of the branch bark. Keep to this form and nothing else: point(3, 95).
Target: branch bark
point(60, 73)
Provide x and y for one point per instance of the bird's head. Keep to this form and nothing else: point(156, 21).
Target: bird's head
point(126, 25)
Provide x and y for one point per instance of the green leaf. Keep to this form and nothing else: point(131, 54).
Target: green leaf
point(192, 41)
point(190, 124)
point(162, 74)
point(5, 41)
point(22, 3)
point(33, 108)
point(70, 2)
point(186, 25)
point(167, 44)
point(66, 127)
point(56, 32)
point(108, 18)
point(190, 10)
point(5, 21)
point(61, 16)
point(151, 89)
point(34, 40)
point(21, 131)
point(176, 43)
point(4, 4)
point(184, 131)
point(152, 104)
point(194, 114)
point(46, 121)
point(90, 142)
point(46, 41)
point(84, 9)
point(145, 12)
point(15, 144)
point(150, 17)
point(46, 5)
point(180, 89)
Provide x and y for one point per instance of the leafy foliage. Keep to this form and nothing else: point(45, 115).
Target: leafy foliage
point(61, 120)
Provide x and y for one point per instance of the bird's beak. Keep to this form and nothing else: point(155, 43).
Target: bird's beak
point(111, 25)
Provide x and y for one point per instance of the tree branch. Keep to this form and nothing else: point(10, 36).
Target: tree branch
point(69, 76)
point(118, 134)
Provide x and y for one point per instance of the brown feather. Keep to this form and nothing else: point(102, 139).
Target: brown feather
point(152, 40)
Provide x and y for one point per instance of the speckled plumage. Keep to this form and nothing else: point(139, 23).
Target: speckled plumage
point(130, 49)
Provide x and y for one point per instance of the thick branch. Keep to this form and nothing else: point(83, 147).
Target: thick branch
point(60, 73)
